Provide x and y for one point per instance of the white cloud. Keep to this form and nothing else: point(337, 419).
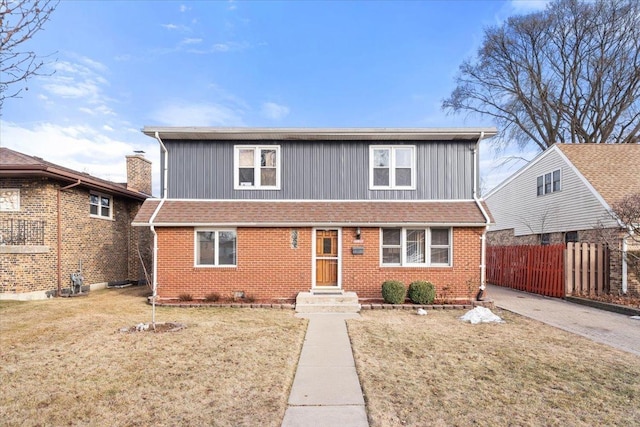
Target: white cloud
point(273, 111)
point(191, 41)
point(204, 114)
point(170, 26)
point(184, 8)
point(230, 46)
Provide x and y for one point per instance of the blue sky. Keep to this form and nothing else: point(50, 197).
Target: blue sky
point(123, 65)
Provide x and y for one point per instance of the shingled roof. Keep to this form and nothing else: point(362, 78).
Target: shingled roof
point(176, 213)
point(16, 164)
point(612, 169)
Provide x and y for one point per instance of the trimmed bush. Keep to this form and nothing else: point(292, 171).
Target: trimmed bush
point(393, 292)
point(212, 297)
point(185, 297)
point(422, 292)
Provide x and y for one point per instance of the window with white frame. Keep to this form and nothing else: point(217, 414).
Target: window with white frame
point(416, 246)
point(100, 205)
point(215, 248)
point(257, 167)
point(9, 199)
point(548, 183)
point(392, 167)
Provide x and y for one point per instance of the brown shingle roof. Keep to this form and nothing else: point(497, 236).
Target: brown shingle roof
point(309, 213)
point(612, 169)
point(16, 164)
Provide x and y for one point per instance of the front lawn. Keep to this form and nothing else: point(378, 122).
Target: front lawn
point(435, 370)
point(65, 362)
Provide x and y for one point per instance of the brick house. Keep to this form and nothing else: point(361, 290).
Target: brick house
point(55, 221)
point(270, 213)
point(565, 195)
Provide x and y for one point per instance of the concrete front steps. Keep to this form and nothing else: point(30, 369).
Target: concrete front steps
point(327, 302)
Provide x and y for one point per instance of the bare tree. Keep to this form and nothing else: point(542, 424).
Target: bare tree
point(20, 20)
point(570, 73)
point(627, 213)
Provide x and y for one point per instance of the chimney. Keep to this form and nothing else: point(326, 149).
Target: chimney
point(139, 174)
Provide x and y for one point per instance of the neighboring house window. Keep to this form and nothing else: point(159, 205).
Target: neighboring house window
point(257, 167)
point(545, 239)
point(215, 248)
point(416, 246)
point(548, 183)
point(100, 205)
point(571, 237)
point(392, 167)
point(9, 199)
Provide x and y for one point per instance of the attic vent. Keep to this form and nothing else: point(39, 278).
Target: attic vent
point(294, 239)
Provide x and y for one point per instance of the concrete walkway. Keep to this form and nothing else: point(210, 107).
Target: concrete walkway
point(615, 330)
point(326, 390)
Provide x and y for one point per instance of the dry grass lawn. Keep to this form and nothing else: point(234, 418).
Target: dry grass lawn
point(435, 370)
point(65, 362)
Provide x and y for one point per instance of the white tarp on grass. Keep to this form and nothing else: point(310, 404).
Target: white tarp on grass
point(481, 315)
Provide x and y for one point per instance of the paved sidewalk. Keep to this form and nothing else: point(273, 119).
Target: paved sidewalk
point(615, 330)
point(326, 390)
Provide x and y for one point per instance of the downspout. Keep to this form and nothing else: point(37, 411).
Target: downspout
point(624, 264)
point(165, 175)
point(59, 243)
point(155, 263)
point(153, 230)
point(483, 238)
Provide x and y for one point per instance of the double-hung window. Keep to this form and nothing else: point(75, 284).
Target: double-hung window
point(100, 205)
point(257, 167)
point(548, 183)
point(215, 248)
point(416, 247)
point(392, 167)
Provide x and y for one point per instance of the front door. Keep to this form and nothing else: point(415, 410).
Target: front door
point(327, 259)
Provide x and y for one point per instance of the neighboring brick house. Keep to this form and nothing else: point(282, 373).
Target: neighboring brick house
point(55, 221)
point(564, 195)
point(274, 212)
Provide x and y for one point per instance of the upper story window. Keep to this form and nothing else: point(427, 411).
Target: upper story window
point(416, 247)
point(100, 205)
point(392, 167)
point(9, 199)
point(257, 167)
point(215, 248)
point(548, 183)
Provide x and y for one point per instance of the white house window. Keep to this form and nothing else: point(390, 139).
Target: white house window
point(256, 167)
point(392, 167)
point(100, 205)
point(9, 199)
point(416, 247)
point(215, 248)
point(548, 183)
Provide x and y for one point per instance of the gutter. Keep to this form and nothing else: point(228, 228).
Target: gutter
point(483, 238)
point(59, 243)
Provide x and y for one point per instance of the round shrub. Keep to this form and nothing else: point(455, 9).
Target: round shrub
point(421, 292)
point(393, 292)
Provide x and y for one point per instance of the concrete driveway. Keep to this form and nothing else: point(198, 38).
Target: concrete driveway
point(615, 330)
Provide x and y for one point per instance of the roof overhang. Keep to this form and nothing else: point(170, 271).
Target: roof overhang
point(319, 134)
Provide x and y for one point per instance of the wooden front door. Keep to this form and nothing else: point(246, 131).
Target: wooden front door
point(327, 258)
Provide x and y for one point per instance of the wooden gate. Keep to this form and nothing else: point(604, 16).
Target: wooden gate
point(587, 269)
point(554, 270)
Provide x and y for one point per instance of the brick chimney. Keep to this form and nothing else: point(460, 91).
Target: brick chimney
point(139, 174)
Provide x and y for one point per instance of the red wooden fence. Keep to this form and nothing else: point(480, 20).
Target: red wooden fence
point(536, 269)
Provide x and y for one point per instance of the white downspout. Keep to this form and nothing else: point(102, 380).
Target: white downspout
point(165, 175)
point(483, 238)
point(624, 265)
point(153, 230)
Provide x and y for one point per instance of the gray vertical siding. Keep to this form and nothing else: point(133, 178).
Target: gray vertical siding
point(319, 170)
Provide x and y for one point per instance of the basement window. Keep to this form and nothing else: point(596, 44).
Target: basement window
point(100, 205)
